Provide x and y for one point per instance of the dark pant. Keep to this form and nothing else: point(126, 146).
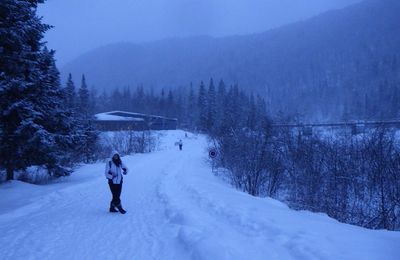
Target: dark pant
point(116, 193)
point(180, 147)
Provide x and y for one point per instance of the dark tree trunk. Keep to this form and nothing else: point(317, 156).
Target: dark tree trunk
point(10, 173)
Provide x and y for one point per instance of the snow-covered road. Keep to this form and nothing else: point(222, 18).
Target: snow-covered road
point(177, 209)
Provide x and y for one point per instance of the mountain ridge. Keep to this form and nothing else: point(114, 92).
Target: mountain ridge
point(341, 49)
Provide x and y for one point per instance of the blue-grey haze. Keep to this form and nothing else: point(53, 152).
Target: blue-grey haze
point(84, 25)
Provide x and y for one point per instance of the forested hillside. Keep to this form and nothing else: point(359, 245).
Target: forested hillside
point(340, 65)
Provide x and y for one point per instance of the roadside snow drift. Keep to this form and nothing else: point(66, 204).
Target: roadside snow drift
point(177, 209)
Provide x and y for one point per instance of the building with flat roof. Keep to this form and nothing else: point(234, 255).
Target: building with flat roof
point(124, 121)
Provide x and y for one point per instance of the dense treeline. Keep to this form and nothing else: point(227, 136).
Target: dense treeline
point(209, 108)
point(355, 179)
point(341, 65)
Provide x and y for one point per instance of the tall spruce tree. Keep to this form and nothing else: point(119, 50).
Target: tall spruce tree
point(126, 100)
point(202, 108)
point(104, 102)
point(139, 100)
point(115, 100)
point(220, 104)
point(83, 104)
point(170, 105)
point(93, 104)
point(211, 107)
point(70, 93)
point(89, 135)
point(29, 91)
point(252, 113)
point(191, 110)
point(57, 122)
point(162, 103)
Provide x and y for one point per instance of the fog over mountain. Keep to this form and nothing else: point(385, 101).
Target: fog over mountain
point(84, 25)
point(339, 54)
point(200, 129)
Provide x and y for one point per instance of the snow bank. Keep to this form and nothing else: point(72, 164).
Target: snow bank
point(177, 209)
point(218, 222)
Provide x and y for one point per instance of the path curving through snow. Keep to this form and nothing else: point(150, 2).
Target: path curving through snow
point(177, 209)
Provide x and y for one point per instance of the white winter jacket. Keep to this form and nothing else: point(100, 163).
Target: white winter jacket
point(114, 173)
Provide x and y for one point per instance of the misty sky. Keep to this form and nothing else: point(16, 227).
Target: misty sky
point(81, 25)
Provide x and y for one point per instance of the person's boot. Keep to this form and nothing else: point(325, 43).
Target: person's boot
point(121, 210)
point(112, 208)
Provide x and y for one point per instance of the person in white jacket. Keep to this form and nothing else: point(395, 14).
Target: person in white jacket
point(115, 169)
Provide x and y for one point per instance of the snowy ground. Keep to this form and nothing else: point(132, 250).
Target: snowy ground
point(177, 209)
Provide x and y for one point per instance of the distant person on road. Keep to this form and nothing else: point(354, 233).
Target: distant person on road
point(114, 171)
point(180, 143)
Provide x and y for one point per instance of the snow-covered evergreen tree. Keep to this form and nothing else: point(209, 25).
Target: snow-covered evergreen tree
point(252, 113)
point(88, 134)
point(115, 100)
point(70, 93)
point(191, 110)
point(162, 103)
point(32, 123)
point(170, 104)
point(126, 99)
point(83, 104)
point(93, 103)
point(202, 107)
point(57, 120)
point(139, 99)
point(211, 107)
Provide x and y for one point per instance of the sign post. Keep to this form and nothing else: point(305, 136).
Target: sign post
point(212, 153)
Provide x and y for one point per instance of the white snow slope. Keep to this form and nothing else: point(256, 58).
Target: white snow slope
point(177, 209)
